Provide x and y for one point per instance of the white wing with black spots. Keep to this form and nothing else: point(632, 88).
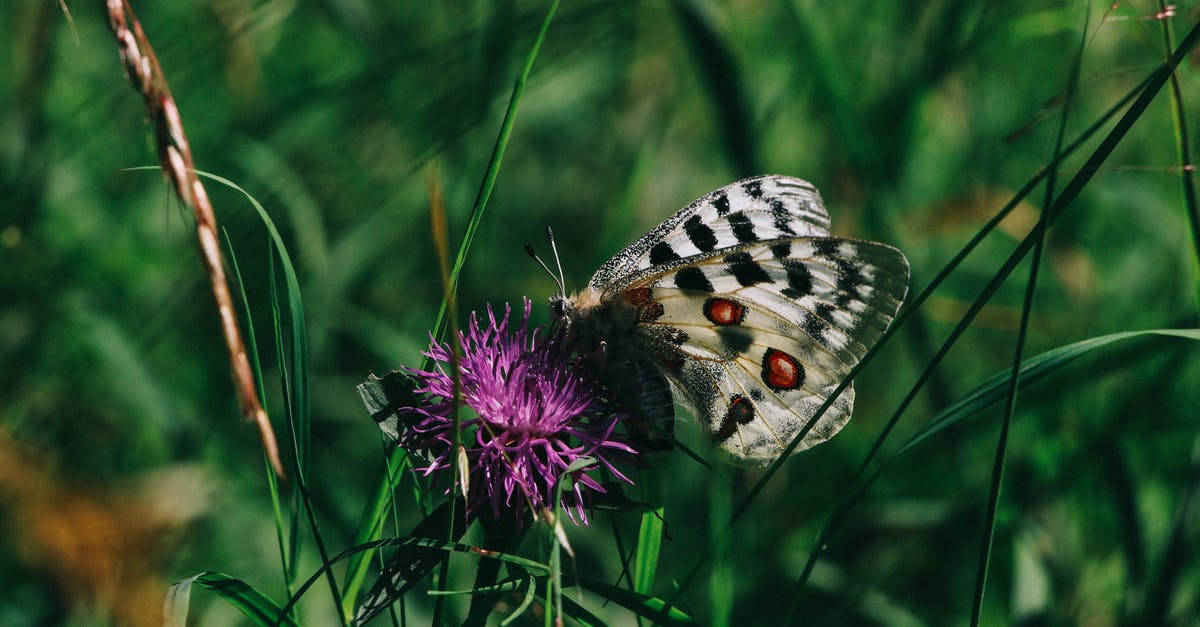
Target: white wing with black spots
point(751, 310)
point(840, 294)
point(756, 209)
point(811, 307)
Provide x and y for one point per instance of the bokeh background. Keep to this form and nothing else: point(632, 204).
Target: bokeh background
point(124, 465)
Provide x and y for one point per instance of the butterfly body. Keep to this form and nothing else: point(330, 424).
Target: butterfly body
point(749, 308)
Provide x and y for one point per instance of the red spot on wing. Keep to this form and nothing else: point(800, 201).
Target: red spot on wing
point(639, 296)
point(724, 312)
point(740, 412)
point(741, 409)
point(781, 371)
point(649, 309)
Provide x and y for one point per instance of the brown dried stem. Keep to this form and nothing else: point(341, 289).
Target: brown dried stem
point(143, 70)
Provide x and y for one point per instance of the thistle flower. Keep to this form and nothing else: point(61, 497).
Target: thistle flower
point(535, 411)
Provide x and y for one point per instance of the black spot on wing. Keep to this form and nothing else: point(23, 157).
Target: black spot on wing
point(735, 340)
point(662, 253)
point(782, 250)
point(692, 278)
point(721, 202)
point(799, 279)
point(824, 311)
point(825, 247)
point(747, 271)
point(701, 235)
point(743, 228)
point(782, 219)
point(815, 329)
point(753, 189)
point(819, 322)
point(849, 279)
point(740, 411)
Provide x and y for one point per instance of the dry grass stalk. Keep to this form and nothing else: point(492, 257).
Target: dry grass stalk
point(143, 70)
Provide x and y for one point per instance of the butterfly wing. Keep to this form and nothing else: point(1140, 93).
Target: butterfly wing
point(756, 209)
point(757, 336)
point(754, 312)
point(751, 309)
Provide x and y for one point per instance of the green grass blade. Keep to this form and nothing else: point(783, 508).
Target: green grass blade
point(296, 386)
point(649, 546)
point(497, 156)
point(175, 608)
point(645, 606)
point(1014, 384)
point(293, 535)
point(256, 367)
point(972, 404)
point(253, 604)
point(1036, 368)
point(1187, 174)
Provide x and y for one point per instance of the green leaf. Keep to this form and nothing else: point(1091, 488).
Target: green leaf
point(1033, 369)
point(254, 604)
point(410, 562)
point(384, 395)
point(643, 605)
point(649, 545)
point(294, 375)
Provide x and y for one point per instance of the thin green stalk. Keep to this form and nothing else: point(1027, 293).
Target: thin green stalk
point(493, 167)
point(293, 533)
point(296, 407)
point(1187, 174)
point(256, 369)
point(1014, 382)
point(295, 388)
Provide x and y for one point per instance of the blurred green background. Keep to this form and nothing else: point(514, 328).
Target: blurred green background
point(122, 454)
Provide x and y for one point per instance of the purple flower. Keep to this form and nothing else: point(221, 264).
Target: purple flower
point(535, 411)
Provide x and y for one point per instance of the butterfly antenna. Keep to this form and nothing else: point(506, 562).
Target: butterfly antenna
point(562, 279)
point(529, 251)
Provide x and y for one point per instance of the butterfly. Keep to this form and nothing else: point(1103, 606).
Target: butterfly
point(745, 309)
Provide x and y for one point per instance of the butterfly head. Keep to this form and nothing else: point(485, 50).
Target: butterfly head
point(560, 305)
point(568, 310)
